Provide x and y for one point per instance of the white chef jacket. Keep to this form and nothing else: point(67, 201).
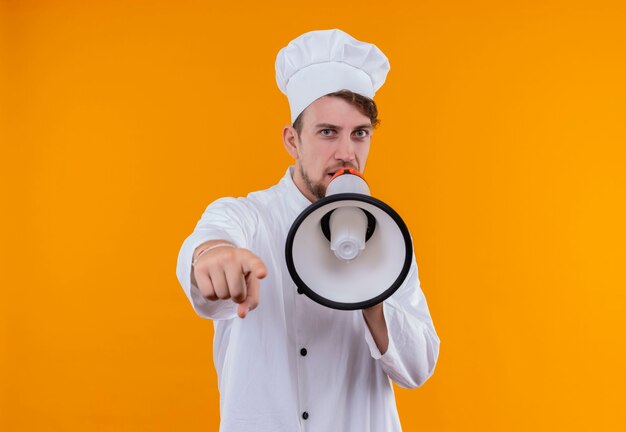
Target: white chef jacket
point(292, 364)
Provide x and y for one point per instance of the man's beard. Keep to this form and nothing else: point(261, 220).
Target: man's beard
point(318, 189)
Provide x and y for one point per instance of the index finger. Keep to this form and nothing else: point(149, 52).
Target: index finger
point(252, 264)
point(252, 297)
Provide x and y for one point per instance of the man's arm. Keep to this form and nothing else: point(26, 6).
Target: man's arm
point(401, 336)
point(227, 220)
point(375, 319)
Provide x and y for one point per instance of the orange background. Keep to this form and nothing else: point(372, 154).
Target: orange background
point(502, 145)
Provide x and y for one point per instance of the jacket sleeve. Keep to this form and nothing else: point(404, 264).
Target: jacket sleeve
point(230, 219)
point(413, 343)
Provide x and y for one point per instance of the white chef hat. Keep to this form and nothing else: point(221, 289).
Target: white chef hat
point(325, 61)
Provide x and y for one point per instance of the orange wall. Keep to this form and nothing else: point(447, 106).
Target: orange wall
point(122, 120)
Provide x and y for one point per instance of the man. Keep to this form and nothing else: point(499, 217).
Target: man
point(284, 362)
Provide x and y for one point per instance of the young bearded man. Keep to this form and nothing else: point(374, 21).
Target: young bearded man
point(284, 362)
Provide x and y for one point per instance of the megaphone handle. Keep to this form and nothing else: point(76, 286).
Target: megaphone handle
point(371, 224)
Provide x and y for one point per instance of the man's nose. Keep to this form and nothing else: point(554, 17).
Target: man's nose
point(345, 149)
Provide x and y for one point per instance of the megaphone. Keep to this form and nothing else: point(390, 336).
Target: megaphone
point(348, 250)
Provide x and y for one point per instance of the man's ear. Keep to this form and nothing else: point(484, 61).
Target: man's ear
point(290, 141)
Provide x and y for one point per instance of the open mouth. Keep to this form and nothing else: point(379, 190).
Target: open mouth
point(329, 176)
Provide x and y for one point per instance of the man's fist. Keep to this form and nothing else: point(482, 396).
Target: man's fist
point(228, 273)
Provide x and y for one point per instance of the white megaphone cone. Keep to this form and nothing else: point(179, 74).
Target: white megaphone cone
point(348, 250)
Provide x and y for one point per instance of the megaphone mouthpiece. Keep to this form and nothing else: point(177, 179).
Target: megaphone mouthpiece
point(347, 181)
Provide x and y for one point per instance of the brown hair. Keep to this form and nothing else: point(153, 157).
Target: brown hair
point(365, 105)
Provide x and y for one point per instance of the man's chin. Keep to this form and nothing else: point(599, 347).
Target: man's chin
point(318, 190)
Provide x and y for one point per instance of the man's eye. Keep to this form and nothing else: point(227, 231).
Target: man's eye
point(326, 132)
point(361, 133)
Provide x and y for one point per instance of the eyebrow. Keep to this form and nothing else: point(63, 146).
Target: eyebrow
point(332, 126)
